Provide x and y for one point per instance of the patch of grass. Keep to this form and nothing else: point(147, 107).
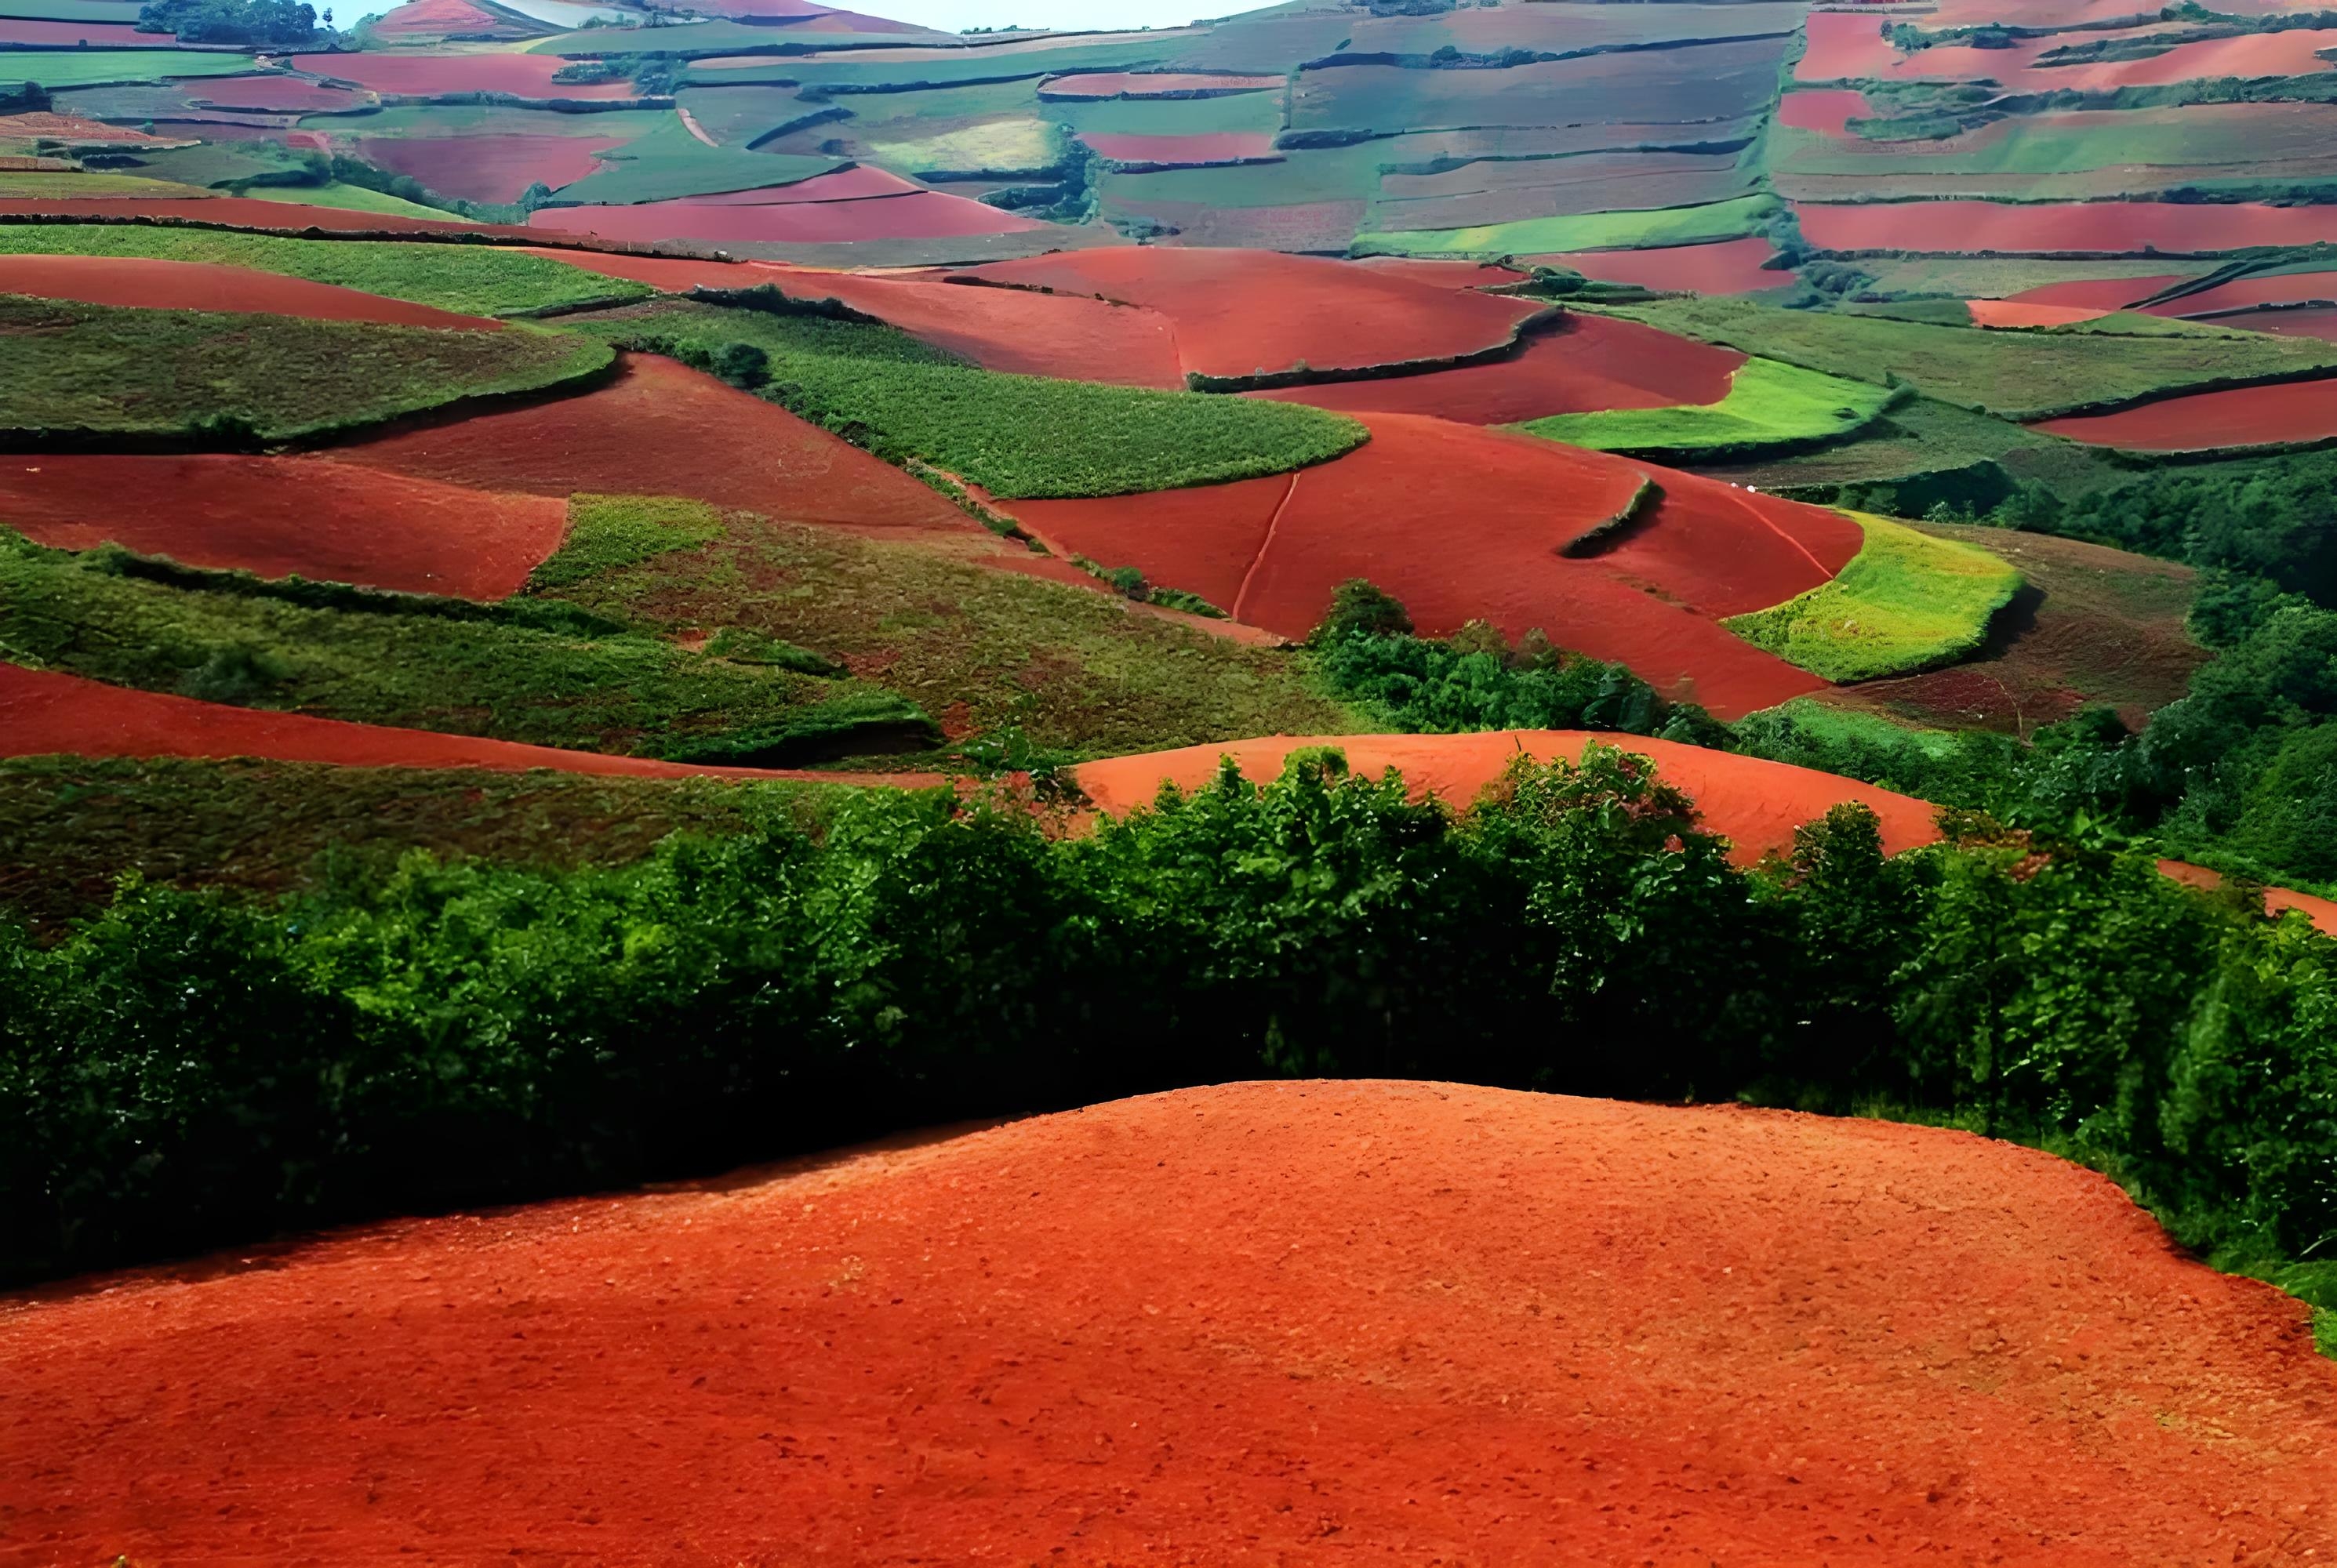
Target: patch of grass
point(1021, 146)
point(86, 368)
point(1997, 277)
point(350, 199)
point(2012, 375)
point(22, 186)
point(1015, 436)
point(1589, 232)
point(609, 531)
point(1906, 601)
point(474, 279)
point(1769, 404)
point(670, 163)
point(55, 69)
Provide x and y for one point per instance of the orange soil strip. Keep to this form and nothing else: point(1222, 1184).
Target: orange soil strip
point(1214, 147)
point(327, 521)
point(2104, 294)
point(44, 713)
point(1595, 363)
point(1730, 266)
point(1143, 84)
point(2006, 313)
point(245, 212)
point(2280, 288)
point(2321, 911)
point(159, 285)
point(1237, 312)
point(664, 429)
point(1297, 1322)
point(2113, 227)
point(2241, 417)
point(1754, 804)
point(439, 74)
point(1828, 111)
point(1474, 533)
point(1442, 274)
point(920, 214)
point(487, 168)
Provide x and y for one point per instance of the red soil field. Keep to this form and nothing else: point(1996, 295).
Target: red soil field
point(840, 185)
point(922, 215)
point(487, 168)
point(204, 285)
point(1440, 273)
point(437, 18)
point(2015, 313)
point(1828, 111)
point(2239, 416)
point(1845, 46)
point(1217, 147)
point(1240, 311)
point(1730, 266)
point(1594, 363)
point(431, 75)
point(1294, 1322)
point(246, 212)
point(74, 128)
point(20, 30)
point(1150, 85)
point(664, 429)
point(2296, 53)
point(1754, 804)
point(2109, 228)
point(1475, 535)
point(274, 93)
point(2305, 321)
point(327, 521)
point(2103, 293)
point(44, 713)
point(2242, 293)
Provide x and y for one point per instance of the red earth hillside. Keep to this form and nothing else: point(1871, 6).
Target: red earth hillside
point(1295, 1323)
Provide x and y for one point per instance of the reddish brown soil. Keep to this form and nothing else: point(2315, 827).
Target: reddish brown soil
point(2321, 911)
point(663, 429)
point(1464, 523)
point(244, 212)
point(1297, 1322)
point(1442, 274)
point(2280, 288)
point(1827, 110)
point(2104, 294)
point(1846, 47)
point(839, 185)
point(1754, 805)
point(1215, 147)
point(1240, 311)
point(74, 128)
point(44, 713)
point(19, 30)
point(2010, 313)
point(329, 522)
point(435, 75)
point(2300, 321)
point(1595, 363)
point(204, 285)
point(1730, 266)
point(437, 18)
point(273, 92)
point(1150, 85)
point(2109, 228)
point(2241, 417)
point(920, 214)
point(487, 168)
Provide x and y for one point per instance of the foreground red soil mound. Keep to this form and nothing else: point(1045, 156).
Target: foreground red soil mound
point(1237, 312)
point(2099, 228)
point(2239, 416)
point(44, 713)
point(1476, 535)
point(204, 285)
point(327, 521)
point(663, 429)
point(1754, 805)
point(1729, 267)
point(1291, 1322)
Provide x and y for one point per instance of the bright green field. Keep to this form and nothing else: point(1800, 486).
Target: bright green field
point(670, 163)
point(1905, 601)
point(1591, 231)
point(92, 367)
point(58, 68)
point(472, 280)
point(1769, 404)
point(348, 198)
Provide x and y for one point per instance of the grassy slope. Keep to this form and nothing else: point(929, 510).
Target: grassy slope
point(1593, 232)
point(17, 186)
point(2014, 374)
point(670, 163)
point(475, 279)
point(98, 368)
point(349, 198)
point(1769, 404)
point(1015, 436)
point(1907, 600)
point(60, 68)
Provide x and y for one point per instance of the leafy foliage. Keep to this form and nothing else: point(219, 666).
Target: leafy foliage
point(275, 23)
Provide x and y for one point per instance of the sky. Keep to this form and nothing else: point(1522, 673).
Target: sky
point(956, 16)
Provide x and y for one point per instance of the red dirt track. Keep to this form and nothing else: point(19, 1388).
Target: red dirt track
point(1237, 312)
point(327, 521)
point(2239, 416)
point(2107, 227)
point(663, 429)
point(1729, 267)
point(161, 285)
point(1297, 1322)
point(1755, 805)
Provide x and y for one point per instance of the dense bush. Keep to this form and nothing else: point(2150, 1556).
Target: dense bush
point(278, 24)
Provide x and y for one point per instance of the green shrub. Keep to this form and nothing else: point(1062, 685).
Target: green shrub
point(609, 531)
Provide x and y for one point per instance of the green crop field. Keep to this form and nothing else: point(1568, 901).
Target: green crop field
point(1594, 231)
point(669, 163)
point(60, 68)
point(36, 185)
point(1998, 276)
point(349, 198)
point(1769, 404)
point(1905, 603)
point(82, 369)
point(1015, 436)
point(474, 279)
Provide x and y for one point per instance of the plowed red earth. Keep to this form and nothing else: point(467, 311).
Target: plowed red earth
point(2104, 227)
point(1595, 363)
point(246, 212)
point(2008, 314)
point(1187, 151)
point(437, 75)
point(1298, 1322)
point(2321, 911)
point(2104, 294)
point(275, 93)
point(1827, 110)
point(1728, 266)
point(837, 185)
point(327, 521)
point(663, 429)
point(1237, 312)
point(1150, 85)
point(20, 30)
point(487, 168)
point(437, 18)
point(1754, 805)
point(919, 215)
point(44, 713)
point(2308, 321)
point(2240, 416)
point(1464, 523)
point(2241, 293)
point(1442, 274)
point(204, 285)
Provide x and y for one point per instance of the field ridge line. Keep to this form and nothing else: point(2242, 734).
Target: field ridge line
point(1241, 594)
